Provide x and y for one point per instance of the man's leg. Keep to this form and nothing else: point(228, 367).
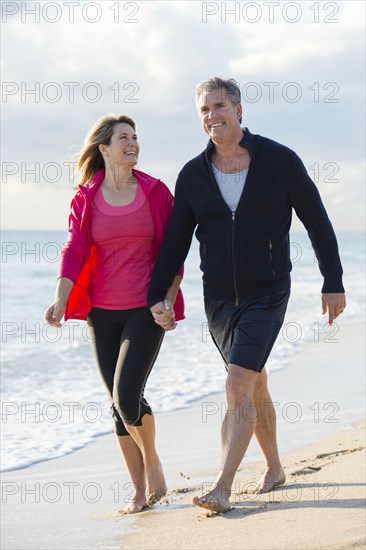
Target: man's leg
point(236, 432)
point(265, 432)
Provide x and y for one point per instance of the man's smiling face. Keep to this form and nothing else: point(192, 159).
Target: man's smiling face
point(219, 117)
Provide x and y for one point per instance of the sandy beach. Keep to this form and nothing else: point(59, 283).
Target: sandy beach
point(72, 502)
point(320, 507)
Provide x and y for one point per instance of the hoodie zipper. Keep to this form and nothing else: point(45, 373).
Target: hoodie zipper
point(232, 256)
point(270, 250)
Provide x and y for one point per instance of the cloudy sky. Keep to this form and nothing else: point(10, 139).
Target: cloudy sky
point(300, 66)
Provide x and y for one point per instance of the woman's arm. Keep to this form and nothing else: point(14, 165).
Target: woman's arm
point(172, 292)
point(56, 311)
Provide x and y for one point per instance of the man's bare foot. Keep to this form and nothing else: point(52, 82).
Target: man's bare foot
point(137, 504)
point(156, 486)
point(216, 501)
point(269, 481)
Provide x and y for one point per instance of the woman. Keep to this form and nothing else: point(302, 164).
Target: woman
point(116, 225)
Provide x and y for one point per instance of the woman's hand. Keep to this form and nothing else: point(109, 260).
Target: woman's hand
point(55, 313)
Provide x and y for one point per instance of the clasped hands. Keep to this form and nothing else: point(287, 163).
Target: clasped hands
point(164, 315)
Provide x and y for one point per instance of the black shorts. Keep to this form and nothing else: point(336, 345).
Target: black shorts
point(245, 333)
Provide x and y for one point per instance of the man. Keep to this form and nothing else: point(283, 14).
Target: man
point(238, 195)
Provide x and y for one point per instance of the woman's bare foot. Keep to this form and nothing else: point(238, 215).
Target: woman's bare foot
point(136, 504)
point(216, 500)
point(154, 497)
point(156, 486)
point(269, 480)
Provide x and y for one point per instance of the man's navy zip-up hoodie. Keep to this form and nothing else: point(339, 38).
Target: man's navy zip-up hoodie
point(245, 254)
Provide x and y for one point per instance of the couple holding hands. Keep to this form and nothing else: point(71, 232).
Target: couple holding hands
point(122, 266)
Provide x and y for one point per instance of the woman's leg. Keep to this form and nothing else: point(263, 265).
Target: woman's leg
point(144, 436)
point(140, 344)
point(105, 333)
point(135, 467)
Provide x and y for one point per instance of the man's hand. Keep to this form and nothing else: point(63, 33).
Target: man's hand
point(163, 314)
point(334, 303)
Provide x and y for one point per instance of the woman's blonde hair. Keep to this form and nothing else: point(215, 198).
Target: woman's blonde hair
point(90, 158)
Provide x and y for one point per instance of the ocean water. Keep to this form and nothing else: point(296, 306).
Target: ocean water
point(53, 400)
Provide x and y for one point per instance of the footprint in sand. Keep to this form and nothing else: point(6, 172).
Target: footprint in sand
point(307, 470)
point(343, 452)
point(312, 469)
point(183, 490)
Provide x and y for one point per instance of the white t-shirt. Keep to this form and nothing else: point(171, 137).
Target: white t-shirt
point(231, 185)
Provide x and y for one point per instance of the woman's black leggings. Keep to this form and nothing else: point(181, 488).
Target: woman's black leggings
point(126, 344)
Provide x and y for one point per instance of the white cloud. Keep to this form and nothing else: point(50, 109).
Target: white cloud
point(281, 47)
point(166, 54)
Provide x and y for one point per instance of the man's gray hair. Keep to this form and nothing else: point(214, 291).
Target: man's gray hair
point(216, 83)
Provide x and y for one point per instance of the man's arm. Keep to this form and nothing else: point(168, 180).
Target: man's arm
point(174, 248)
point(163, 312)
point(306, 201)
